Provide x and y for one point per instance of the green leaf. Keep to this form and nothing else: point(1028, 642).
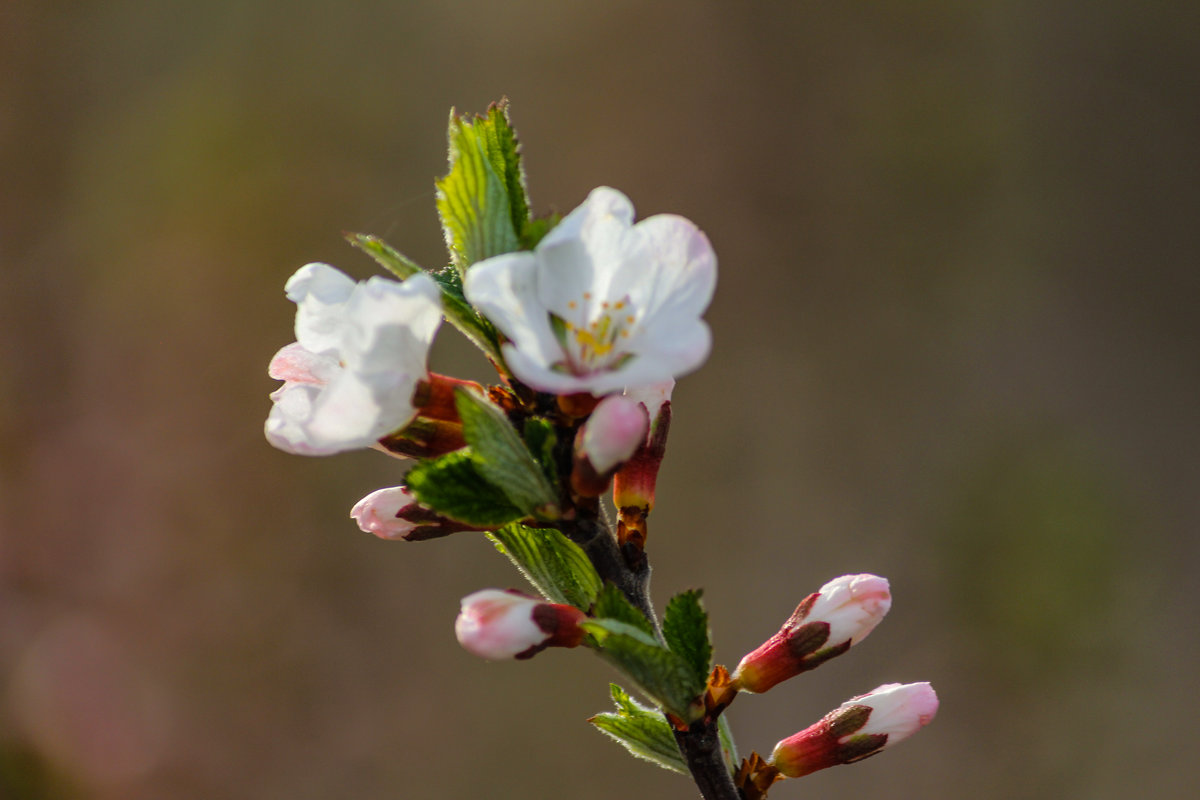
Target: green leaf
point(453, 485)
point(661, 674)
point(473, 199)
point(385, 255)
point(685, 627)
point(501, 456)
point(644, 732)
point(504, 153)
point(603, 627)
point(611, 604)
point(556, 566)
point(541, 439)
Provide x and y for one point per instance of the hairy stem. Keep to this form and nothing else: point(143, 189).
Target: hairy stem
point(597, 540)
point(701, 748)
point(700, 744)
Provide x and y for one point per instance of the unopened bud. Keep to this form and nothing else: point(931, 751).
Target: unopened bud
point(824, 625)
point(613, 432)
point(611, 435)
point(634, 484)
point(393, 513)
point(858, 728)
point(498, 625)
point(377, 513)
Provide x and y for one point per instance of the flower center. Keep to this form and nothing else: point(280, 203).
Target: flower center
point(592, 335)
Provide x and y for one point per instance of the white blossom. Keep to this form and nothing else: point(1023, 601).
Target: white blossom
point(360, 350)
point(601, 304)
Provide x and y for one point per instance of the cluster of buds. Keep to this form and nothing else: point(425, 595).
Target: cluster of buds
point(826, 624)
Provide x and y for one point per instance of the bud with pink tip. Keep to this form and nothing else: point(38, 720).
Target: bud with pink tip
point(634, 486)
point(609, 438)
point(634, 483)
point(824, 625)
point(498, 625)
point(393, 513)
point(858, 728)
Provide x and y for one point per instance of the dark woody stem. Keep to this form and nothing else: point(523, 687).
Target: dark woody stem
point(700, 743)
point(701, 748)
point(589, 532)
point(628, 569)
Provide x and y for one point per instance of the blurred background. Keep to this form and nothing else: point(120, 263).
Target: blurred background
point(955, 344)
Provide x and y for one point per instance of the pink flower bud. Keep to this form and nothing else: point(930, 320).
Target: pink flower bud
point(858, 728)
point(633, 486)
point(498, 625)
point(614, 431)
point(824, 625)
point(377, 513)
point(395, 514)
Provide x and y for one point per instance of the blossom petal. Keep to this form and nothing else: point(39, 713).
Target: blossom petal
point(347, 415)
point(286, 426)
point(295, 364)
point(505, 289)
point(320, 293)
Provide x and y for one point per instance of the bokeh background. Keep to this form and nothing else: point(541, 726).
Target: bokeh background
point(955, 344)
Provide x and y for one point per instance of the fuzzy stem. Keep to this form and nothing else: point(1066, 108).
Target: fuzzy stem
point(701, 748)
point(629, 570)
point(700, 744)
point(589, 532)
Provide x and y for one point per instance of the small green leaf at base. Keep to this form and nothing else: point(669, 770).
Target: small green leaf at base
point(644, 732)
point(685, 627)
point(556, 566)
point(662, 675)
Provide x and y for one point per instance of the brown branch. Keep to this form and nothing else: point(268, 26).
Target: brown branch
point(700, 745)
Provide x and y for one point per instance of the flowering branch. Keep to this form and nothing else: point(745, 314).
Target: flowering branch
point(588, 320)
